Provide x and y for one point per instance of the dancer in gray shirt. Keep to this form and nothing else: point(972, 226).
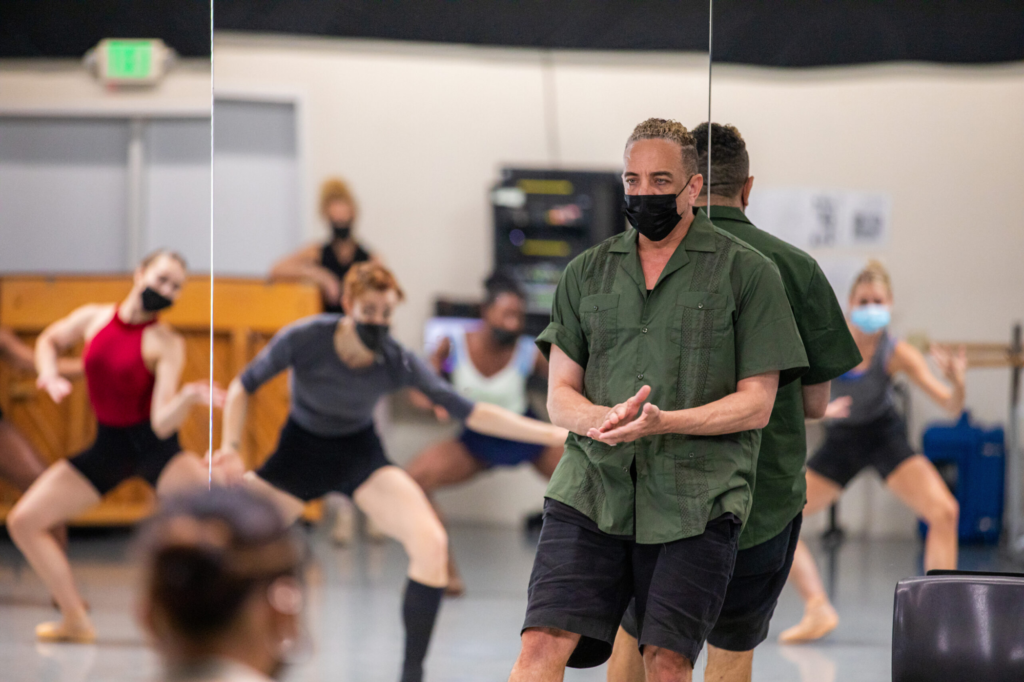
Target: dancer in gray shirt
point(341, 365)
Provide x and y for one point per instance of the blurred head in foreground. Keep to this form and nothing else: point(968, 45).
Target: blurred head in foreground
point(221, 592)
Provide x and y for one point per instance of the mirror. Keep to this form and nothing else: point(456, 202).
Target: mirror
point(843, 144)
point(104, 162)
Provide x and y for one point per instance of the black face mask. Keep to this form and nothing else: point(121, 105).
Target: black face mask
point(153, 300)
point(372, 335)
point(341, 231)
point(504, 337)
point(653, 215)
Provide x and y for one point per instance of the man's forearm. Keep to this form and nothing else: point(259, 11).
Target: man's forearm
point(737, 412)
point(571, 410)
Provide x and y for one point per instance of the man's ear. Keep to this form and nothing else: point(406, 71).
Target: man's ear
point(695, 187)
point(745, 192)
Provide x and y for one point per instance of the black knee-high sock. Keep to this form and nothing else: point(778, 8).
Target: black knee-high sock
point(419, 611)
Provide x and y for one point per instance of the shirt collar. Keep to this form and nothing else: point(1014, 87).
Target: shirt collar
point(700, 237)
point(729, 213)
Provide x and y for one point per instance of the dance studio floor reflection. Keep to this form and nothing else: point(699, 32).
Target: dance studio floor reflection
point(354, 625)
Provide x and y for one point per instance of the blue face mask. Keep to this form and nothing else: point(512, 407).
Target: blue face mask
point(871, 318)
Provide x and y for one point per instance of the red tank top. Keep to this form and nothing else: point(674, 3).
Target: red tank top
point(120, 385)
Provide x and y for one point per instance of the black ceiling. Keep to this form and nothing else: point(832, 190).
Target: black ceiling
point(794, 33)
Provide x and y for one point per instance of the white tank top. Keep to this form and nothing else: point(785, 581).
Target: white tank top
point(505, 389)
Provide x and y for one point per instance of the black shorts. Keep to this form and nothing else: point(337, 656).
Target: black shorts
point(309, 466)
point(583, 579)
point(848, 449)
point(757, 580)
point(121, 452)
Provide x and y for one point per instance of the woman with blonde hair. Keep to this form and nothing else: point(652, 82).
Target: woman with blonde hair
point(863, 429)
point(133, 364)
point(326, 265)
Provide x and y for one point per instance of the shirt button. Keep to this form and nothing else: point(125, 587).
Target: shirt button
point(639, 376)
point(595, 307)
point(691, 455)
point(700, 305)
point(644, 330)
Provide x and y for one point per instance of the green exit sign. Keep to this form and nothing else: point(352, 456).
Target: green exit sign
point(129, 59)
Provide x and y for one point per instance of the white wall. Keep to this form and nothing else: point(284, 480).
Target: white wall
point(64, 166)
point(421, 131)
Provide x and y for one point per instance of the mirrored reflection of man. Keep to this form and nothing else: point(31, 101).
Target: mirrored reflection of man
point(770, 536)
point(667, 344)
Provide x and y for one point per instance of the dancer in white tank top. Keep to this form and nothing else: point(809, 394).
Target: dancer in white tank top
point(490, 364)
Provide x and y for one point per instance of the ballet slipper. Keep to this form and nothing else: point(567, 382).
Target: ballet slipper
point(59, 631)
point(819, 620)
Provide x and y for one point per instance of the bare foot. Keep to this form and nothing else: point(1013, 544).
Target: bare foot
point(61, 631)
point(819, 620)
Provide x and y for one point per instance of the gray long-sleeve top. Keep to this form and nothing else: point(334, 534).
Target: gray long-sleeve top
point(329, 398)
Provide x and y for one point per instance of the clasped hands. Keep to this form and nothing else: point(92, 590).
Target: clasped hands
point(630, 420)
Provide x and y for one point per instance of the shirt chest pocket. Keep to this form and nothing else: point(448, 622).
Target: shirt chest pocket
point(599, 319)
point(701, 319)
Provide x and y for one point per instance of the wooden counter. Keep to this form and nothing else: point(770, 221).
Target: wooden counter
point(246, 314)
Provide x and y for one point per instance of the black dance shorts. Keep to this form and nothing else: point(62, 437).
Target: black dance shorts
point(121, 452)
point(583, 579)
point(849, 448)
point(757, 580)
point(309, 466)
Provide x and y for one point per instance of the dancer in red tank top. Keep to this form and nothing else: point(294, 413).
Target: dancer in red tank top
point(132, 364)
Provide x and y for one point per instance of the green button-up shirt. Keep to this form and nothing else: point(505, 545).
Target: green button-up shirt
point(718, 314)
point(831, 351)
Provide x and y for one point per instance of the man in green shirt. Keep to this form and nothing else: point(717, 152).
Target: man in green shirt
point(667, 345)
point(770, 536)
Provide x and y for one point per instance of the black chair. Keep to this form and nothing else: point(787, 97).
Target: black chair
point(958, 626)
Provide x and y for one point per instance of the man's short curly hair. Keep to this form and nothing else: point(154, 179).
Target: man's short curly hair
point(673, 131)
point(730, 164)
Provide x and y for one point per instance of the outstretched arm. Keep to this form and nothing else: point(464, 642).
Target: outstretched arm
point(482, 417)
point(499, 422)
point(909, 360)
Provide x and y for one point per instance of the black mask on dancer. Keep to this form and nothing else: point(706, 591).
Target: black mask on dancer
point(504, 337)
point(341, 231)
point(153, 300)
point(372, 335)
point(654, 215)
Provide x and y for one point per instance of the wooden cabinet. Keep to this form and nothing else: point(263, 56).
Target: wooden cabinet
point(246, 314)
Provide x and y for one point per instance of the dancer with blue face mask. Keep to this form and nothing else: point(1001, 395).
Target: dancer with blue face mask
point(864, 429)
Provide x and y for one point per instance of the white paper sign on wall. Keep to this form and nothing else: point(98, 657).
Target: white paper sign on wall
point(822, 219)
